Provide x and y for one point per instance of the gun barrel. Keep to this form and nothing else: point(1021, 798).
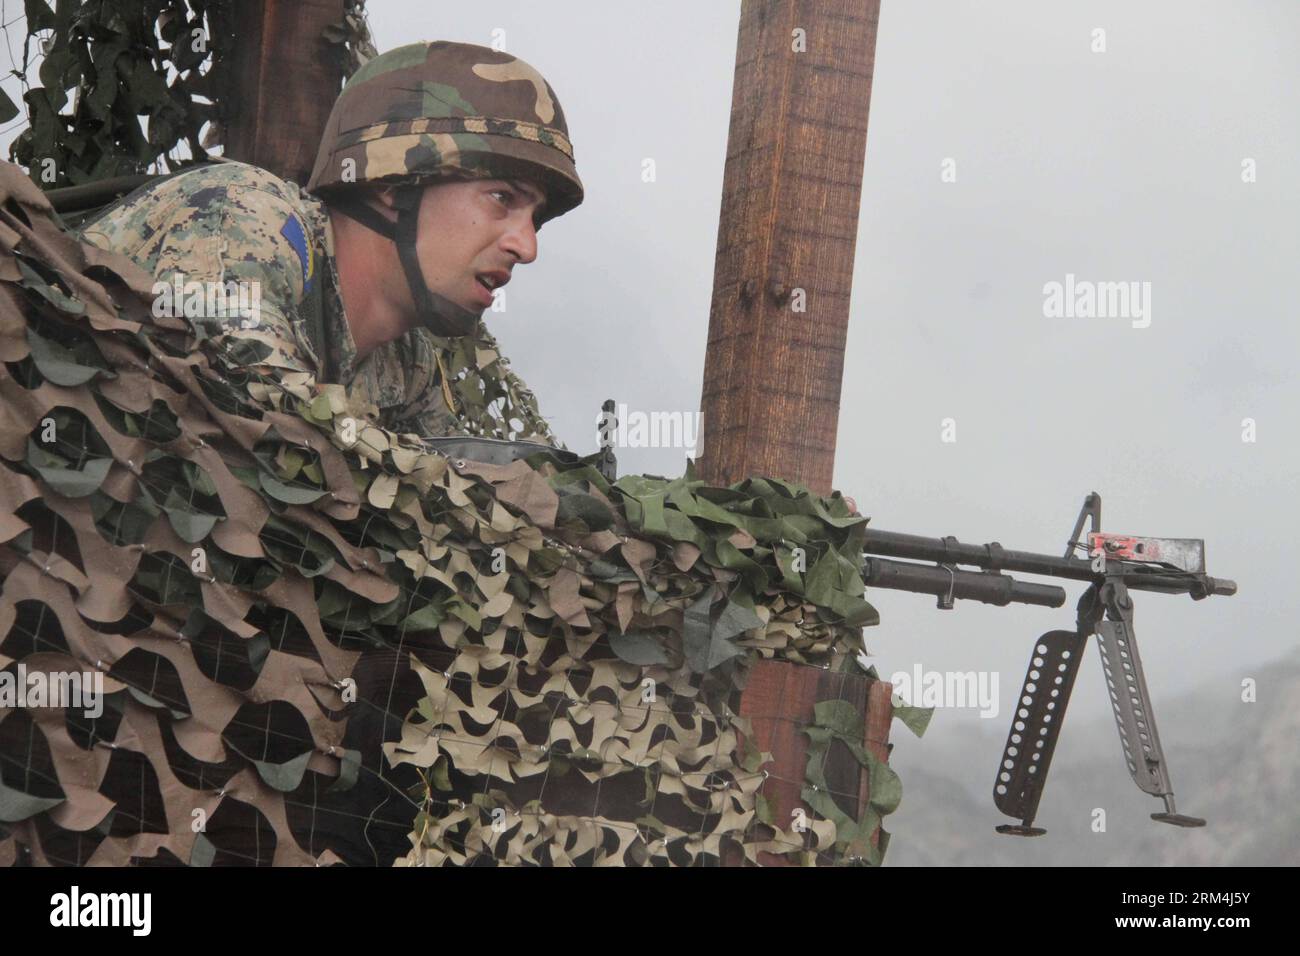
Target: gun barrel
point(986, 586)
point(1223, 586)
point(994, 557)
point(1198, 586)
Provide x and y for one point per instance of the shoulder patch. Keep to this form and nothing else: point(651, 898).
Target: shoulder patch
point(293, 231)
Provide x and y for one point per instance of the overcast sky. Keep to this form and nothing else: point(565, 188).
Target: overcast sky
point(1117, 166)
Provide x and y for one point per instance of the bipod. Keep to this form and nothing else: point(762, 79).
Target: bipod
point(1106, 609)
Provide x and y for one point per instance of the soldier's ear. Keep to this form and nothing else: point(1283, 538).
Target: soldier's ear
point(386, 196)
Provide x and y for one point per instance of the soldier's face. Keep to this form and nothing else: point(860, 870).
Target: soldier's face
point(473, 233)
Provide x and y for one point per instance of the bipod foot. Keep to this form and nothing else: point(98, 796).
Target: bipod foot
point(1020, 829)
point(1178, 819)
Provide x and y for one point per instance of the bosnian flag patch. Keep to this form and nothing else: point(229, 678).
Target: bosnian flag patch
point(293, 231)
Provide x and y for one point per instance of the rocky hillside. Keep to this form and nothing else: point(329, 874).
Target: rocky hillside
point(1241, 775)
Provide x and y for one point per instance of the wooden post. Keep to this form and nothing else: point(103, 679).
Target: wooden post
point(779, 317)
point(779, 703)
point(786, 238)
point(281, 81)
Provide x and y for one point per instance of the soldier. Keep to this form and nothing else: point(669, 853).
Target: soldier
point(438, 165)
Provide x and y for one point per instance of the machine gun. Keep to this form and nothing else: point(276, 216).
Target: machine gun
point(1114, 565)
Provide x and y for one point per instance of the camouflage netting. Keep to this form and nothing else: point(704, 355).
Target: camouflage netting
point(142, 76)
point(149, 82)
point(271, 588)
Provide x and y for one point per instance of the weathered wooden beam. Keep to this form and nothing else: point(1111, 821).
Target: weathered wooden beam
point(282, 78)
point(786, 238)
point(779, 320)
point(779, 702)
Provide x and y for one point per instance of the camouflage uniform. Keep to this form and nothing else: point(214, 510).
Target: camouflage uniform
point(237, 222)
point(413, 116)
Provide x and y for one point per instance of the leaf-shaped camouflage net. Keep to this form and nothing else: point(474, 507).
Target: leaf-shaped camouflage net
point(320, 641)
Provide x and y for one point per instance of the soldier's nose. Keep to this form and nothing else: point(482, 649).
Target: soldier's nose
point(521, 240)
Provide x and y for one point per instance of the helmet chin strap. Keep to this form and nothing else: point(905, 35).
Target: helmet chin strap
point(435, 312)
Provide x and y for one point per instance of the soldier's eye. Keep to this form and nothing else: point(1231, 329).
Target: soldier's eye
point(503, 192)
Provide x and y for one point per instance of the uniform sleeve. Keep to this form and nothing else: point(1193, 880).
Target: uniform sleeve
point(245, 252)
point(264, 248)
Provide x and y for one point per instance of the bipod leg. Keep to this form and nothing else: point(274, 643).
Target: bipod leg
point(1040, 711)
point(1131, 703)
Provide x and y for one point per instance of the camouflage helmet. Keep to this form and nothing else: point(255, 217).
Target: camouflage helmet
point(430, 110)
